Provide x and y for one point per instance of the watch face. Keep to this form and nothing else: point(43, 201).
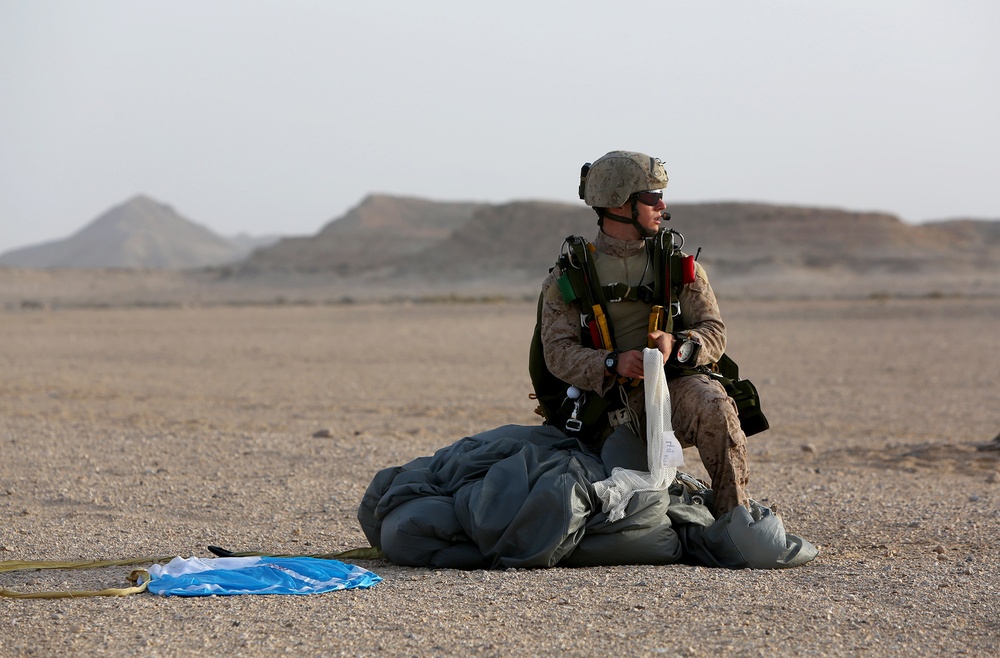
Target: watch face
point(609, 362)
point(685, 351)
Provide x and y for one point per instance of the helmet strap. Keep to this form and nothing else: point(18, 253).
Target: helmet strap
point(633, 220)
point(643, 231)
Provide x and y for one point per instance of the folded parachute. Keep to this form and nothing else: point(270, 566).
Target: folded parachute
point(521, 496)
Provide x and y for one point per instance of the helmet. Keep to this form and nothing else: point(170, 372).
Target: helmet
point(614, 177)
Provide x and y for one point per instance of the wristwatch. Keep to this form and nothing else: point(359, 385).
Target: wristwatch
point(611, 362)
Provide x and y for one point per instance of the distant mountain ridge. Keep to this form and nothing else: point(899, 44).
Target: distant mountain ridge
point(386, 237)
point(743, 237)
point(391, 241)
point(140, 233)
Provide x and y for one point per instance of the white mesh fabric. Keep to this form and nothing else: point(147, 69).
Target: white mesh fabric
point(663, 452)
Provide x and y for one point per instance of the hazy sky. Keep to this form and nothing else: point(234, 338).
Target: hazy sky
point(277, 116)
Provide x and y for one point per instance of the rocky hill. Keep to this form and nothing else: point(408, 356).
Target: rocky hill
point(140, 233)
point(746, 238)
point(412, 238)
point(374, 237)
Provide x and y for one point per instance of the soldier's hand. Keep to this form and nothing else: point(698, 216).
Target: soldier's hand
point(664, 342)
point(630, 364)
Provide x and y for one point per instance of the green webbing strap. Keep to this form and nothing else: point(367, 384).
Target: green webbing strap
point(579, 268)
point(28, 565)
point(659, 269)
point(593, 291)
point(140, 577)
point(368, 553)
point(597, 291)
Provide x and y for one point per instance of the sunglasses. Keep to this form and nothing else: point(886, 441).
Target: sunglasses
point(649, 198)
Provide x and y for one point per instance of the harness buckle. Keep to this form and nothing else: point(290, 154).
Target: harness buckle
point(616, 286)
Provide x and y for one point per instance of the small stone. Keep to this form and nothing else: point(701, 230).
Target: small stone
point(993, 477)
point(322, 434)
point(809, 448)
point(939, 549)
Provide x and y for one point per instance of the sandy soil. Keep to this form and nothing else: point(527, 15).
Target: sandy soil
point(159, 431)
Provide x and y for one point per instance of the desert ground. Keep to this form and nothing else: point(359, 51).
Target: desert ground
point(157, 431)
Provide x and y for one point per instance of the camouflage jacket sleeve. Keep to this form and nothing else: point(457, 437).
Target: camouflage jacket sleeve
point(565, 357)
point(701, 317)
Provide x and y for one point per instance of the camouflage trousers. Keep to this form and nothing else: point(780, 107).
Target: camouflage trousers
point(705, 417)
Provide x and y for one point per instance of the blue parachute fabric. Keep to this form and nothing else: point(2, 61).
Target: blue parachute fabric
point(226, 576)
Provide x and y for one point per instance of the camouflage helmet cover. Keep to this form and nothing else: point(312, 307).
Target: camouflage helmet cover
point(617, 175)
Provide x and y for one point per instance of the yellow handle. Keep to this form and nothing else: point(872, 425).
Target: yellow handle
point(656, 316)
point(602, 327)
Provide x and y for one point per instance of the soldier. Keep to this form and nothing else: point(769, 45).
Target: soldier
point(626, 190)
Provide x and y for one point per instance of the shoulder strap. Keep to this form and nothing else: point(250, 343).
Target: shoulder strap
point(668, 282)
point(580, 274)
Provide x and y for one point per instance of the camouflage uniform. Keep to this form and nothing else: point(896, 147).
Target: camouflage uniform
point(702, 414)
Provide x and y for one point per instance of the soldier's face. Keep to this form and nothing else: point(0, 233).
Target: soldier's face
point(649, 211)
point(650, 215)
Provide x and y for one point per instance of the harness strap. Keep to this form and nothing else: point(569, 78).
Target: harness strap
point(622, 292)
point(580, 285)
point(579, 267)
